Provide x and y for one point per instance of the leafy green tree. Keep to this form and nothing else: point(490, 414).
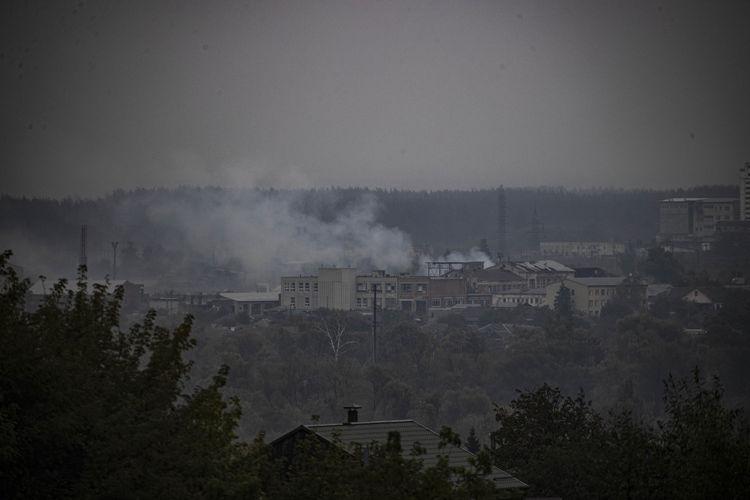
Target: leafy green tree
point(662, 265)
point(472, 442)
point(551, 442)
point(706, 446)
point(564, 302)
point(89, 410)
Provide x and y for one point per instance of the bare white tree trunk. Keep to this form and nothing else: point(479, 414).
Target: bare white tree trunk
point(335, 334)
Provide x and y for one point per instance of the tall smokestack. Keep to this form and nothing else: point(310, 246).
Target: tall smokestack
point(82, 259)
point(501, 249)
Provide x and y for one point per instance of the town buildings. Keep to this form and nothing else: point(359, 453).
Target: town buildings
point(505, 285)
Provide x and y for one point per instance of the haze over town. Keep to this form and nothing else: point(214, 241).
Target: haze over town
point(420, 95)
point(374, 249)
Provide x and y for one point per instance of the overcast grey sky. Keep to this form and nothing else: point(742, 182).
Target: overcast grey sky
point(428, 95)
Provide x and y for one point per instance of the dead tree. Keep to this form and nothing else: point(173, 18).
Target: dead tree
point(335, 332)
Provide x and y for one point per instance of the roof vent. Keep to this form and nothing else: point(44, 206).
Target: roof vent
point(352, 414)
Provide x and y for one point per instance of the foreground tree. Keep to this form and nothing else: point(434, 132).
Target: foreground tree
point(562, 447)
point(89, 410)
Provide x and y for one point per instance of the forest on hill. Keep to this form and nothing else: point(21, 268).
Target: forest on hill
point(216, 238)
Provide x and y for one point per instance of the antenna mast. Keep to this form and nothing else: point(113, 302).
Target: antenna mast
point(82, 260)
point(114, 259)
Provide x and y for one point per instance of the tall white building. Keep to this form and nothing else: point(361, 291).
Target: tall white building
point(745, 192)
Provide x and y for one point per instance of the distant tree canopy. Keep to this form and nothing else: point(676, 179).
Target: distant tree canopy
point(434, 220)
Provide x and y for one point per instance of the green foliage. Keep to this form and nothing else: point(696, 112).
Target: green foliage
point(563, 447)
point(90, 410)
point(662, 266)
point(564, 302)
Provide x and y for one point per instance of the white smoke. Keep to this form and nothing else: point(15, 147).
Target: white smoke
point(270, 236)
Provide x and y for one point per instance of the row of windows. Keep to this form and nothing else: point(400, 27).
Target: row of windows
point(447, 301)
point(293, 302)
point(521, 300)
point(601, 291)
point(367, 287)
point(301, 286)
point(408, 287)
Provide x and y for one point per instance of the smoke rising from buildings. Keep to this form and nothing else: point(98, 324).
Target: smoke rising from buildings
point(275, 232)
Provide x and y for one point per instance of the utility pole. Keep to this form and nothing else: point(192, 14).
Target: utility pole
point(82, 260)
point(114, 260)
point(374, 323)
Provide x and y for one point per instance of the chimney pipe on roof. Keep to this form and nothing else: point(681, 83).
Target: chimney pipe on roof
point(352, 413)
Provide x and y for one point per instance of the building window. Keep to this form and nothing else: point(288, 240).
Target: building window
point(406, 287)
point(292, 303)
point(315, 286)
point(307, 286)
point(420, 287)
point(307, 301)
point(436, 302)
point(286, 287)
point(359, 302)
point(364, 301)
point(291, 287)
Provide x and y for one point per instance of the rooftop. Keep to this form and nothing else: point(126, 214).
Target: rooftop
point(709, 200)
point(251, 296)
point(411, 432)
point(600, 281)
point(542, 266)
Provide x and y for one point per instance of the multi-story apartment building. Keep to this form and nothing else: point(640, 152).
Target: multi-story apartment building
point(694, 217)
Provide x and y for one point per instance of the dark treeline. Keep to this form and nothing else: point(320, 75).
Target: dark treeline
point(154, 239)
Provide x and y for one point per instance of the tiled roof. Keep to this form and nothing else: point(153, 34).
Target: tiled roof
point(411, 432)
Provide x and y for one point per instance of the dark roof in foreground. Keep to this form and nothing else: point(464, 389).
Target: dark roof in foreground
point(411, 432)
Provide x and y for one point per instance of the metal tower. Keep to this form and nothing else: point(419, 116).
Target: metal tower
point(82, 260)
point(501, 231)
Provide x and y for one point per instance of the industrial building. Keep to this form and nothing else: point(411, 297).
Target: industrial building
point(447, 285)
